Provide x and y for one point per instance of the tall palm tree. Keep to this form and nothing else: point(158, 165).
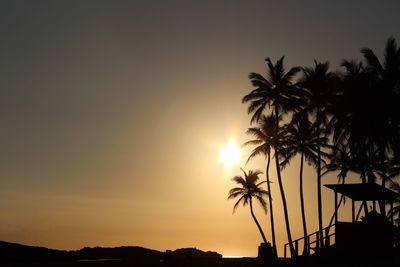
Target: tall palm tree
point(385, 76)
point(363, 118)
point(278, 95)
point(318, 83)
point(265, 138)
point(300, 139)
point(350, 122)
point(248, 190)
point(373, 122)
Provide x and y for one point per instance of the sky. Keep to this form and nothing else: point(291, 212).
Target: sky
point(113, 115)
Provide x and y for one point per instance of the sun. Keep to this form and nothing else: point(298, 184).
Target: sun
point(230, 155)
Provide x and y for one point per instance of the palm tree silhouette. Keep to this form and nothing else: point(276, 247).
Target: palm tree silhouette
point(318, 82)
point(349, 120)
point(265, 138)
point(300, 138)
point(385, 78)
point(339, 161)
point(386, 73)
point(368, 127)
point(249, 189)
point(361, 124)
point(277, 94)
point(374, 121)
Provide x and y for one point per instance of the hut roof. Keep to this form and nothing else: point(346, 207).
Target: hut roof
point(361, 192)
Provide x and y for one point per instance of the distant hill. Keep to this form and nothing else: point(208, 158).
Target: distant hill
point(193, 253)
point(121, 253)
point(17, 252)
point(10, 252)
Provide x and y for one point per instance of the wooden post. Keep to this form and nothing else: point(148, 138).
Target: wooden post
point(353, 215)
point(327, 238)
point(391, 215)
point(336, 208)
point(360, 209)
point(284, 251)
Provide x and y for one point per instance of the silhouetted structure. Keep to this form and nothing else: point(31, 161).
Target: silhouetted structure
point(371, 237)
point(265, 252)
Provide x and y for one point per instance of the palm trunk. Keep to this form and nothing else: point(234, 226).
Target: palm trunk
point(271, 212)
point(285, 211)
point(332, 219)
point(303, 213)
point(256, 221)
point(278, 172)
point(319, 194)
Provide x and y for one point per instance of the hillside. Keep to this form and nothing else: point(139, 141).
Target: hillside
point(12, 252)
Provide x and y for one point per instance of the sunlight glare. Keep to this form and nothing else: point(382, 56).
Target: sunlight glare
point(230, 155)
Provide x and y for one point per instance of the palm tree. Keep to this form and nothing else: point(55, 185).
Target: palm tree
point(275, 93)
point(341, 162)
point(369, 127)
point(265, 138)
point(385, 78)
point(351, 115)
point(300, 138)
point(249, 189)
point(373, 122)
point(278, 95)
point(318, 82)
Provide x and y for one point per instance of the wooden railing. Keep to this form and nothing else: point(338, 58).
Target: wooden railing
point(313, 242)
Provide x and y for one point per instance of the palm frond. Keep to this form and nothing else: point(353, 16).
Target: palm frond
point(260, 150)
point(290, 75)
point(372, 60)
point(255, 142)
point(238, 203)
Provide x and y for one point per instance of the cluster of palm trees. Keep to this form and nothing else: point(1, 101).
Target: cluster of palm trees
point(343, 121)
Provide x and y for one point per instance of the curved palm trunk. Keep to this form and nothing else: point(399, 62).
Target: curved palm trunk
point(319, 194)
point(256, 221)
point(303, 213)
point(285, 211)
point(282, 191)
point(271, 212)
point(332, 220)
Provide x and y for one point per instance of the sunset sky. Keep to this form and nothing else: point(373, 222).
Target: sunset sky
point(113, 115)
